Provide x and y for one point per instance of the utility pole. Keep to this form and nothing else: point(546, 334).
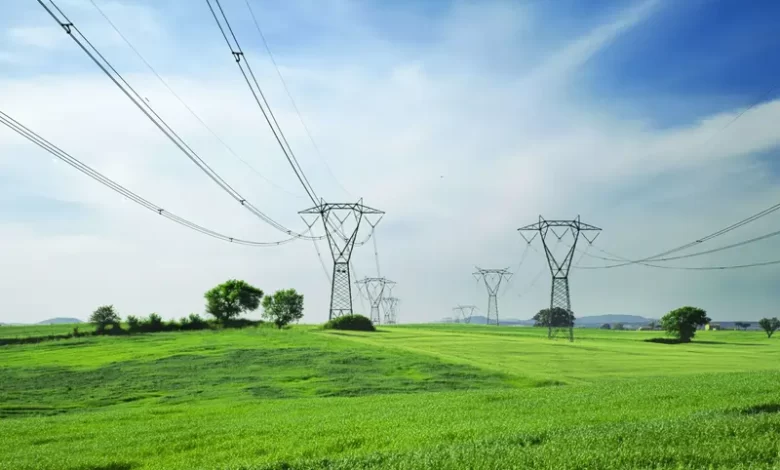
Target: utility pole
point(559, 295)
point(465, 312)
point(342, 222)
point(492, 279)
point(375, 289)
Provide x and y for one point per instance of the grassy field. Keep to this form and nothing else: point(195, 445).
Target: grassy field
point(430, 397)
point(28, 331)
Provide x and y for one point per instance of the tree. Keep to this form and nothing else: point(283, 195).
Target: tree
point(683, 322)
point(618, 326)
point(770, 325)
point(652, 324)
point(283, 307)
point(104, 316)
point(742, 325)
point(555, 317)
point(230, 299)
point(606, 326)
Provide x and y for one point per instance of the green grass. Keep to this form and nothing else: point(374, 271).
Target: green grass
point(43, 330)
point(433, 397)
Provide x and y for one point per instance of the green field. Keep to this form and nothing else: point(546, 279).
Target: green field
point(432, 397)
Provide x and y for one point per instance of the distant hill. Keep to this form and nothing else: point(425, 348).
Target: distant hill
point(481, 320)
point(59, 321)
point(601, 319)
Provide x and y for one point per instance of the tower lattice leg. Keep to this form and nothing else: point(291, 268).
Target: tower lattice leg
point(341, 291)
point(559, 298)
point(492, 313)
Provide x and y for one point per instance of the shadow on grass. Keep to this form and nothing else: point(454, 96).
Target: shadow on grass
point(764, 408)
point(677, 341)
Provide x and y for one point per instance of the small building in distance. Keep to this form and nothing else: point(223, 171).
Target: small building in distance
point(712, 326)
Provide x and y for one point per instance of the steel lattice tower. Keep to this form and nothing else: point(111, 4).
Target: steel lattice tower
point(342, 222)
point(492, 279)
point(375, 289)
point(559, 295)
point(391, 310)
point(465, 312)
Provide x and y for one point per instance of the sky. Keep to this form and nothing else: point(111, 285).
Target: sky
point(653, 120)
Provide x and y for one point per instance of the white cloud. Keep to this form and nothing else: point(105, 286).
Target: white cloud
point(459, 157)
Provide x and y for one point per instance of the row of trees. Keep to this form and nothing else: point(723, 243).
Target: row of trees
point(225, 302)
point(681, 323)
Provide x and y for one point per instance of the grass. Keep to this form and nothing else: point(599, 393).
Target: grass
point(29, 331)
point(432, 397)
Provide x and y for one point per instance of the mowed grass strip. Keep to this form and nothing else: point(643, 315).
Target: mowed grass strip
point(422, 397)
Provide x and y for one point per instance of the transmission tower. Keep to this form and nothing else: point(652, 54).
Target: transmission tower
point(465, 312)
point(375, 289)
point(492, 279)
point(559, 295)
point(391, 310)
point(342, 222)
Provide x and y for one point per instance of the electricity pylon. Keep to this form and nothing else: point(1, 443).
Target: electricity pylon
point(391, 310)
point(465, 312)
point(375, 289)
point(342, 224)
point(492, 279)
point(559, 295)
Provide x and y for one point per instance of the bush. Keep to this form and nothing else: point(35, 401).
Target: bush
point(133, 323)
point(606, 326)
point(151, 324)
point(350, 322)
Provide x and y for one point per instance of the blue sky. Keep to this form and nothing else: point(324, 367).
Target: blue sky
point(464, 120)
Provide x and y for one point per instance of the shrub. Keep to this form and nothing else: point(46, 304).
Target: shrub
point(606, 326)
point(152, 324)
point(133, 323)
point(555, 317)
point(350, 322)
point(193, 322)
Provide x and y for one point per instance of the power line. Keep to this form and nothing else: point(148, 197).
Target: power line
point(183, 103)
point(295, 106)
point(257, 92)
point(158, 121)
point(35, 138)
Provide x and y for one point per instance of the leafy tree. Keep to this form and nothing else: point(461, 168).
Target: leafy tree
point(606, 326)
point(619, 327)
point(770, 325)
point(742, 325)
point(555, 317)
point(683, 322)
point(104, 316)
point(283, 307)
point(230, 299)
point(652, 325)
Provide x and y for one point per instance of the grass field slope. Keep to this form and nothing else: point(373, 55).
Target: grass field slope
point(406, 397)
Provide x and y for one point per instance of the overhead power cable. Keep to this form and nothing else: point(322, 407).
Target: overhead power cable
point(186, 106)
point(35, 138)
point(295, 106)
point(94, 54)
point(262, 102)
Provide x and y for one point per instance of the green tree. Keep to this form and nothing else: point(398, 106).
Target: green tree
point(606, 326)
point(683, 322)
point(283, 307)
point(555, 317)
point(230, 299)
point(104, 316)
point(770, 325)
point(618, 326)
